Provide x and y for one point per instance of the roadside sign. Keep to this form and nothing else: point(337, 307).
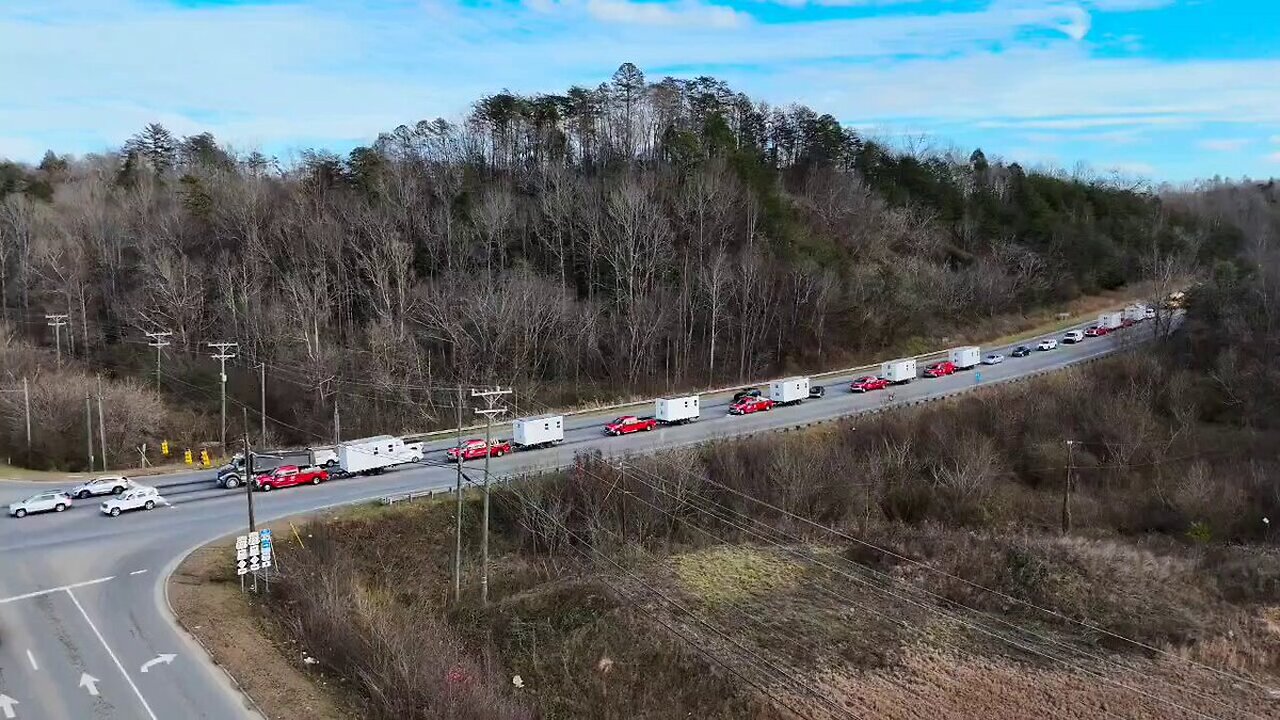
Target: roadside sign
point(242, 542)
point(242, 554)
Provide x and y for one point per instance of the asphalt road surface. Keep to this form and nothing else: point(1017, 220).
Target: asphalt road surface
point(85, 628)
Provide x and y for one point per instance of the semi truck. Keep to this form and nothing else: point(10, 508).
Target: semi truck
point(1111, 321)
point(677, 411)
point(965, 358)
point(535, 432)
point(789, 391)
point(900, 371)
point(233, 474)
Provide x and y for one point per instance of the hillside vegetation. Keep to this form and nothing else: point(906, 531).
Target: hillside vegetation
point(901, 565)
point(632, 237)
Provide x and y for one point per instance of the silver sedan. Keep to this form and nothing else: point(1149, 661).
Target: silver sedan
point(993, 359)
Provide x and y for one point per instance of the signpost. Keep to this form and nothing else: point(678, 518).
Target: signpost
point(255, 553)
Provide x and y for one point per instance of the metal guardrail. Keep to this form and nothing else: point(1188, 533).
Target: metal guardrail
point(408, 496)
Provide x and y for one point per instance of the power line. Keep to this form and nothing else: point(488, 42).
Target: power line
point(158, 340)
point(970, 583)
point(684, 499)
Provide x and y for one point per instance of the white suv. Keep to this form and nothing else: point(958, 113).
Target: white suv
point(140, 497)
point(1073, 336)
point(1047, 344)
point(108, 485)
point(55, 500)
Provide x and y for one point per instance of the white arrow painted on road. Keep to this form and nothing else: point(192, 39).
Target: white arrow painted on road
point(89, 683)
point(165, 658)
point(6, 706)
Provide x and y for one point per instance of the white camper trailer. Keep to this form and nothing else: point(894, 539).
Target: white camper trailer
point(677, 411)
point(536, 432)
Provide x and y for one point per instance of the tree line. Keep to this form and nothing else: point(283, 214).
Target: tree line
point(631, 237)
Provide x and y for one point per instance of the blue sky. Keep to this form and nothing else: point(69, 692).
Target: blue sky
point(1160, 89)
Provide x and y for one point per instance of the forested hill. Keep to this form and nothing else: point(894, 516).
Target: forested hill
point(634, 235)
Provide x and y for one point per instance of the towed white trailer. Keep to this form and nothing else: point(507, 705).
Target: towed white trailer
point(1135, 313)
point(789, 391)
point(535, 432)
point(1111, 320)
point(372, 455)
point(897, 372)
point(677, 411)
point(965, 358)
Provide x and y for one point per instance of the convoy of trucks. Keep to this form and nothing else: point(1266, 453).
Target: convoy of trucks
point(373, 455)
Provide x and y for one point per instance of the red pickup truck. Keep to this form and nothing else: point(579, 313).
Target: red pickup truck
point(628, 424)
point(936, 370)
point(473, 449)
point(749, 405)
point(288, 476)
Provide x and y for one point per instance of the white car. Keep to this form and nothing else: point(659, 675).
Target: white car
point(54, 500)
point(993, 359)
point(1048, 344)
point(1073, 336)
point(107, 485)
point(1149, 313)
point(140, 497)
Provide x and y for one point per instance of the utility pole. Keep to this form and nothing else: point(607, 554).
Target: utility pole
point(491, 397)
point(248, 479)
point(457, 515)
point(26, 401)
point(1066, 490)
point(337, 425)
point(102, 427)
point(88, 428)
point(57, 322)
point(226, 351)
point(158, 340)
point(262, 384)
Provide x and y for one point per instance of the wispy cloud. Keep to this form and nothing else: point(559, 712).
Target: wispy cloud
point(693, 14)
point(1274, 157)
point(1225, 144)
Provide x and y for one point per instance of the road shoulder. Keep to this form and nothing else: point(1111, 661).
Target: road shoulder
point(205, 596)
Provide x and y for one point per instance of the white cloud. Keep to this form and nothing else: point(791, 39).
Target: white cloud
point(1274, 157)
point(1128, 5)
point(694, 14)
point(1083, 123)
point(1225, 144)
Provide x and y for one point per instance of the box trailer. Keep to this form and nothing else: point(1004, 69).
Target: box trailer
point(965, 358)
point(1111, 320)
point(535, 432)
point(677, 411)
point(372, 455)
point(899, 371)
point(1135, 313)
point(789, 391)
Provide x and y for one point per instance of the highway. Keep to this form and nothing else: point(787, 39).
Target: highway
point(85, 627)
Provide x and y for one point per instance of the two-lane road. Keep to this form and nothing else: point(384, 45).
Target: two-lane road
point(82, 594)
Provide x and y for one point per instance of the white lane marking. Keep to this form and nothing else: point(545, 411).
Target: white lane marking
point(60, 588)
point(89, 683)
point(32, 658)
point(137, 572)
point(6, 705)
point(111, 653)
